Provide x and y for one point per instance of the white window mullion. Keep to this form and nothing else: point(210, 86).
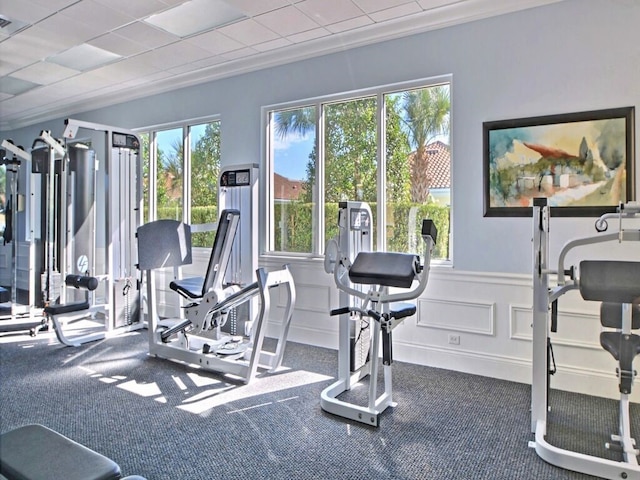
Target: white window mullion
point(153, 176)
point(319, 189)
point(186, 174)
point(382, 172)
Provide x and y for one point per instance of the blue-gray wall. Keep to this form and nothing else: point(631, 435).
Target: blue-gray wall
point(571, 56)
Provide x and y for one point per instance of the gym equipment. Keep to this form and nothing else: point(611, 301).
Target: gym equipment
point(91, 207)
point(224, 325)
point(35, 452)
point(15, 204)
point(616, 284)
point(199, 339)
point(59, 314)
point(371, 312)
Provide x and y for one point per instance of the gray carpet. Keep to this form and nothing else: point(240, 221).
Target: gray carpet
point(166, 421)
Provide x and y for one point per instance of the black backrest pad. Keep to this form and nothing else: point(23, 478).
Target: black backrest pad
point(226, 232)
point(611, 315)
point(384, 268)
point(163, 243)
point(610, 281)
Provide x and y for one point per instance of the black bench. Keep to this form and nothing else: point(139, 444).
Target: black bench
point(35, 452)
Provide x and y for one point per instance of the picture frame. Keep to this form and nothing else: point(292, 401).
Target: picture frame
point(583, 163)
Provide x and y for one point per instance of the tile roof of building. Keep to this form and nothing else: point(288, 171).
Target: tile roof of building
point(439, 164)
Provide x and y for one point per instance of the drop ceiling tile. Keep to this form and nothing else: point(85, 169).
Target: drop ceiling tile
point(272, 45)
point(173, 55)
point(251, 7)
point(286, 21)
point(195, 16)
point(146, 35)
point(125, 70)
point(84, 57)
point(135, 8)
point(396, 12)
point(45, 73)
point(66, 28)
point(117, 44)
point(249, 32)
point(370, 6)
point(215, 42)
point(309, 35)
point(350, 24)
point(237, 54)
point(99, 17)
point(16, 86)
point(210, 61)
point(7, 67)
point(23, 49)
point(54, 41)
point(54, 5)
point(326, 12)
point(25, 11)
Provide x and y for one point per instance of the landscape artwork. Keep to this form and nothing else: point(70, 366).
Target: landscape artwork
point(581, 162)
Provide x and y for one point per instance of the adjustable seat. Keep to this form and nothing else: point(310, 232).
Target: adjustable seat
point(194, 288)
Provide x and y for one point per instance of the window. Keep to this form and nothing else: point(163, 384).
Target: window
point(388, 147)
point(180, 175)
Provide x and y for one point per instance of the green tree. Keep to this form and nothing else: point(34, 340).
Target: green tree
point(426, 115)
point(205, 167)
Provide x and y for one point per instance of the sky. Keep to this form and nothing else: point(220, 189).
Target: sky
point(292, 155)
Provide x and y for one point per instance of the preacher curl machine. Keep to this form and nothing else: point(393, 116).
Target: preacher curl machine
point(371, 312)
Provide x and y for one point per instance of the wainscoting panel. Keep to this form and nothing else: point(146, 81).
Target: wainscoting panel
point(455, 315)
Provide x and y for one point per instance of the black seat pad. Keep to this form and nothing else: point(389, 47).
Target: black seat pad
point(190, 286)
point(388, 269)
point(610, 341)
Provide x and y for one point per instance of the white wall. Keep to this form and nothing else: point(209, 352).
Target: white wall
point(571, 56)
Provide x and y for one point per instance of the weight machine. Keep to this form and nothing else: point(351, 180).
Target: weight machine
point(370, 311)
point(224, 325)
point(85, 220)
point(14, 204)
point(616, 284)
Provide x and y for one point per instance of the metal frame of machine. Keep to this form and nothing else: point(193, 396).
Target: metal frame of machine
point(544, 321)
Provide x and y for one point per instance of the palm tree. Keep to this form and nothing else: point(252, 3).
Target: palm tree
point(300, 120)
point(426, 115)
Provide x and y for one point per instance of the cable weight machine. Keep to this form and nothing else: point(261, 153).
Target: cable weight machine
point(85, 219)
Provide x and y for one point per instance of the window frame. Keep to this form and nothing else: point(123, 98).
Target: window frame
point(267, 239)
point(152, 131)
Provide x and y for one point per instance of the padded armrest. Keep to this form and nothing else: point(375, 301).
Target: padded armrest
point(388, 269)
point(35, 452)
point(610, 281)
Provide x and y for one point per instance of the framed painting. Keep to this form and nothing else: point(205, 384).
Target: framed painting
point(583, 163)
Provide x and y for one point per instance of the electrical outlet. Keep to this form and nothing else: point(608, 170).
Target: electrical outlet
point(454, 339)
